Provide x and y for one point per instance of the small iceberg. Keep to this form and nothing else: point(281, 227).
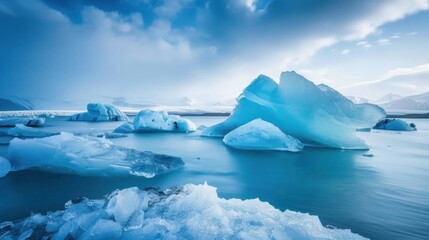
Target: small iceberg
point(395, 125)
point(157, 121)
point(187, 212)
point(20, 130)
point(27, 121)
point(261, 135)
point(4, 167)
point(67, 153)
point(98, 112)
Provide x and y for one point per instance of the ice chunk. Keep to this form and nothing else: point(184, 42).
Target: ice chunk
point(395, 124)
point(27, 121)
point(126, 127)
point(261, 135)
point(316, 115)
point(4, 166)
point(20, 130)
point(107, 135)
point(98, 112)
point(66, 153)
point(187, 212)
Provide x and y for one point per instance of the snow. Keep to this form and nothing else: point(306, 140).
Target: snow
point(100, 112)
point(395, 124)
point(27, 121)
point(157, 121)
point(67, 153)
point(4, 166)
point(20, 130)
point(261, 135)
point(187, 212)
point(316, 115)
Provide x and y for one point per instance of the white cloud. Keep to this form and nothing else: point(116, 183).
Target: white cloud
point(345, 51)
point(383, 41)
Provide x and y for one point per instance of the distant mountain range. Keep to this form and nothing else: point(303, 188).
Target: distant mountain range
point(414, 102)
point(12, 104)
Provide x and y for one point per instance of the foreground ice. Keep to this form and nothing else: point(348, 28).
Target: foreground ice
point(316, 115)
point(20, 130)
point(98, 112)
point(27, 121)
point(154, 121)
point(261, 135)
point(4, 166)
point(395, 124)
point(187, 212)
point(67, 153)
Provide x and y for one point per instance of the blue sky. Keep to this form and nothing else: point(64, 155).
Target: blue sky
point(163, 50)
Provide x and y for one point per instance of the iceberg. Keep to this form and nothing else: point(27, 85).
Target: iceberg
point(98, 112)
point(395, 125)
point(27, 121)
point(20, 130)
point(67, 153)
point(186, 212)
point(157, 121)
point(317, 115)
point(4, 167)
point(261, 135)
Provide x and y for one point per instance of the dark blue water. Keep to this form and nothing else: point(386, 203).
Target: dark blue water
point(385, 196)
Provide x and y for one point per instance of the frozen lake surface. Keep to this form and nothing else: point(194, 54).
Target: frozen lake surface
point(382, 193)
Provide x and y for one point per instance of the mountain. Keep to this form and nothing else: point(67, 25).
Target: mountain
point(13, 104)
point(415, 102)
point(357, 100)
point(388, 98)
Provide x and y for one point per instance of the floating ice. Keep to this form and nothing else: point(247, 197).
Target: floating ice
point(66, 153)
point(107, 135)
point(98, 112)
point(27, 121)
point(20, 130)
point(157, 121)
point(316, 115)
point(261, 135)
point(187, 212)
point(4, 166)
point(395, 124)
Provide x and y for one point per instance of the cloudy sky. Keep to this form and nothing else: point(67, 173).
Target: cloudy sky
point(209, 50)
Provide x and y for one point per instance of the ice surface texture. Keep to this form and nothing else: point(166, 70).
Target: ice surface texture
point(316, 115)
point(261, 135)
point(396, 125)
point(4, 166)
point(27, 121)
point(66, 153)
point(20, 130)
point(98, 112)
point(188, 212)
point(157, 121)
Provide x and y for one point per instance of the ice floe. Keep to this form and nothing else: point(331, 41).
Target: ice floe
point(27, 121)
point(20, 130)
point(98, 112)
point(395, 124)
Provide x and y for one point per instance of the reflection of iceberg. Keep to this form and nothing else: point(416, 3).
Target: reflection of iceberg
point(100, 112)
point(316, 115)
point(67, 153)
point(4, 167)
point(27, 121)
point(261, 135)
point(154, 121)
point(188, 212)
point(21, 130)
point(395, 124)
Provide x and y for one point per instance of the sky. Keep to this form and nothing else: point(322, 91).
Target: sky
point(159, 51)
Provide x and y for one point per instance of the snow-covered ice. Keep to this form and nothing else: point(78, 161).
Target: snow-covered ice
point(395, 124)
point(187, 212)
point(157, 121)
point(261, 135)
point(67, 153)
point(20, 130)
point(4, 167)
point(100, 112)
point(27, 121)
point(316, 115)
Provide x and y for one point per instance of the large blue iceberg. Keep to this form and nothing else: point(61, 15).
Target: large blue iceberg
point(315, 114)
point(98, 112)
point(4, 167)
point(187, 212)
point(67, 153)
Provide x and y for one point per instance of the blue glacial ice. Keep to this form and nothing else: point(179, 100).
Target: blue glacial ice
point(27, 121)
point(98, 112)
point(316, 115)
point(67, 153)
point(395, 125)
point(187, 212)
point(261, 135)
point(4, 167)
point(20, 130)
point(157, 121)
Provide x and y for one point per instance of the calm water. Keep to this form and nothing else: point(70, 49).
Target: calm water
point(381, 196)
